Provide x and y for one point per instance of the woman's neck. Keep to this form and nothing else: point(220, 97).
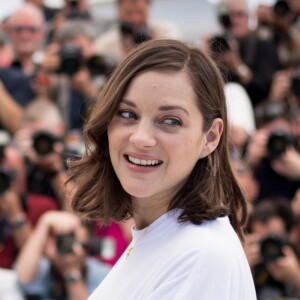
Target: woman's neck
point(146, 211)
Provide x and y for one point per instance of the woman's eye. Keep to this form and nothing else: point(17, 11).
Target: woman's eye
point(172, 121)
point(127, 114)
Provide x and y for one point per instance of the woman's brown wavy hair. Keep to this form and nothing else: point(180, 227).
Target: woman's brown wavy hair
point(211, 190)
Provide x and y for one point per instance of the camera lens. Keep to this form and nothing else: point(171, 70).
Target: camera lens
point(65, 243)
point(43, 142)
point(271, 247)
point(277, 143)
point(71, 59)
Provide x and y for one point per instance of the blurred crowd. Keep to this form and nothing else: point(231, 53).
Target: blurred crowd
point(53, 63)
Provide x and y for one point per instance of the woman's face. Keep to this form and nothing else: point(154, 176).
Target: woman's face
point(156, 137)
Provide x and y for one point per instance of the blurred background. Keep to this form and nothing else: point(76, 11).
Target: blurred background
point(192, 24)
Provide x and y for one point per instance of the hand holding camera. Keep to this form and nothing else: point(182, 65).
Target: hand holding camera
point(288, 164)
point(65, 249)
point(286, 268)
point(225, 51)
point(41, 147)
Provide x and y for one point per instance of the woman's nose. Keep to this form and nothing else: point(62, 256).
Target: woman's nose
point(143, 135)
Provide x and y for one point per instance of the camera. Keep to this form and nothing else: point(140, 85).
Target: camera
point(101, 65)
point(5, 181)
point(278, 141)
point(219, 44)
point(138, 35)
point(43, 142)
point(281, 9)
point(271, 247)
point(295, 84)
point(73, 3)
point(71, 59)
point(224, 16)
point(65, 243)
point(94, 246)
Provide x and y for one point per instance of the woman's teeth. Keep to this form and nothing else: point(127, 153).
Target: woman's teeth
point(143, 162)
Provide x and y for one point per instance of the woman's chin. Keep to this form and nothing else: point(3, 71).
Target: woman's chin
point(138, 191)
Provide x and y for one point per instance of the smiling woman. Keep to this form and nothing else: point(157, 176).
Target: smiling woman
point(157, 151)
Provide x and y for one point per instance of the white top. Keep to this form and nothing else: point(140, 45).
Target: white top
point(239, 107)
point(172, 261)
point(9, 288)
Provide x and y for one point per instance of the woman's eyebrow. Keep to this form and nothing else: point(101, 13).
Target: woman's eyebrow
point(172, 107)
point(161, 108)
point(128, 102)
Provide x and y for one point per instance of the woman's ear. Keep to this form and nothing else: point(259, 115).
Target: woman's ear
point(212, 137)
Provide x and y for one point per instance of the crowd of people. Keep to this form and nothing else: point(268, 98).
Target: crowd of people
point(54, 64)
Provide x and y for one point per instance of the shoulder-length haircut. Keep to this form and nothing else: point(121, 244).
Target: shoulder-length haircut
point(211, 190)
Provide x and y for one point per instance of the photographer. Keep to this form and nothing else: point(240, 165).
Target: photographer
point(54, 262)
point(19, 211)
point(26, 30)
point(12, 212)
point(278, 24)
point(273, 151)
point(252, 60)
point(286, 87)
point(275, 266)
point(41, 142)
point(133, 27)
point(75, 73)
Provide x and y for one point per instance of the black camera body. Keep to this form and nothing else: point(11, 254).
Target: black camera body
point(73, 3)
point(224, 16)
point(94, 246)
point(71, 59)
point(5, 180)
point(219, 45)
point(65, 243)
point(271, 247)
point(101, 65)
point(43, 142)
point(278, 142)
point(138, 35)
point(281, 8)
point(295, 84)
